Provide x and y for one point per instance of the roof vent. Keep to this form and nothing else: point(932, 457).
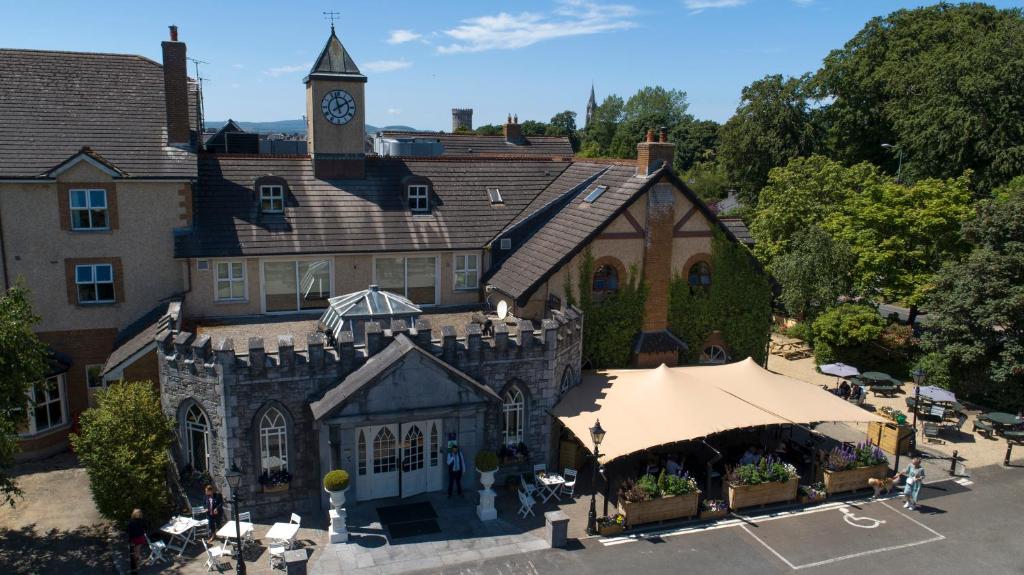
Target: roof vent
point(594, 194)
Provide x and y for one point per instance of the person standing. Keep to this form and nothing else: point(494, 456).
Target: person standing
point(214, 509)
point(456, 465)
point(915, 477)
point(136, 538)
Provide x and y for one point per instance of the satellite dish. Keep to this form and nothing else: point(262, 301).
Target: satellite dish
point(502, 309)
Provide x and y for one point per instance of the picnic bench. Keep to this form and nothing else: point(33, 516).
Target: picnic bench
point(983, 426)
point(884, 390)
point(1014, 436)
point(790, 350)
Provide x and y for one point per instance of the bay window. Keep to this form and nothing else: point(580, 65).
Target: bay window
point(414, 277)
point(296, 285)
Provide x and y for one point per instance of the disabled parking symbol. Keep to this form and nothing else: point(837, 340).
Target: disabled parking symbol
point(857, 521)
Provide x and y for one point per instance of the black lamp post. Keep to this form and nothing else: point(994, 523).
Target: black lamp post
point(234, 479)
point(919, 376)
point(597, 436)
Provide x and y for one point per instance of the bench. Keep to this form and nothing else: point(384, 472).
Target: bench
point(886, 390)
point(931, 432)
point(983, 427)
point(1014, 436)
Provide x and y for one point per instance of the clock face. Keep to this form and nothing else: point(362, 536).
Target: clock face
point(338, 107)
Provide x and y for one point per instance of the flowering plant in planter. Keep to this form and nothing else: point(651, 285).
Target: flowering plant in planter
point(768, 470)
point(648, 487)
point(843, 457)
point(275, 478)
point(617, 519)
point(814, 492)
point(713, 506)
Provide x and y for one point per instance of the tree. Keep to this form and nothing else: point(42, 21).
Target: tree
point(708, 180)
point(489, 130)
point(533, 128)
point(845, 330)
point(23, 359)
point(124, 445)
point(597, 139)
point(695, 140)
point(650, 108)
point(564, 124)
point(975, 331)
point(942, 82)
point(814, 273)
point(772, 125)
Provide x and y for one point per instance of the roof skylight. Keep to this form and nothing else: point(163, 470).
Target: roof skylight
point(594, 194)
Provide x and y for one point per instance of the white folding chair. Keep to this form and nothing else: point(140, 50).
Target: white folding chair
point(537, 469)
point(198, 510)
point(569, 487)
point(156, 551)
point(530, 488)
point(246, 517)
point(276, 552)
point(216, 557)
point(526, 503)
point(296, 519)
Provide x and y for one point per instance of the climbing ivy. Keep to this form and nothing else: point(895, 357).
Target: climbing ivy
point(738, 304)
point(610, 324)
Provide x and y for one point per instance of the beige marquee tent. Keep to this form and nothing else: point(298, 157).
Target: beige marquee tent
point(645, 408)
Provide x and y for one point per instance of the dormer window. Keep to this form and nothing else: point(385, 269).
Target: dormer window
point(272, 199)
point(419, 198)
point(494, 194)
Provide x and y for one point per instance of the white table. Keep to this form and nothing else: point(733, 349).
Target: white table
point(549, 486)
point(182, 530)
point(283, 532)
point(227, 531)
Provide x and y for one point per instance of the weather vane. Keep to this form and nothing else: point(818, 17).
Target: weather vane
point(332, 16)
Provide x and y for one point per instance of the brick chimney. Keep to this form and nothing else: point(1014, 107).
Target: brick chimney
point(176, 90)
point(651, 154)
point(513, 131)
point(658, 255)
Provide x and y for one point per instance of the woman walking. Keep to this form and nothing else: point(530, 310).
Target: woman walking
point(915, 477)
point(136, 538)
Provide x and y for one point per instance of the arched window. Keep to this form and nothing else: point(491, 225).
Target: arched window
point(273, 442)
point(361, 453)
point(512, 411)
point(385, 456)
point(606, 280)
point(197, 438)
point(700, 275)
point(412, 449)
point(713, 354)
point(568, 378)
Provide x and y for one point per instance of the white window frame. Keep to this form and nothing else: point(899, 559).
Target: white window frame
point(201, 426)
point(88, 380)
point(61, 385)
point(421, 197)
point(88, 209)
point(273, 193)
point(513, 402)
point(405, 264)
point(298, 290)
point(96, 284)
point(717, 356)
point(217, 280)
point(466, 269)
point(273, 430)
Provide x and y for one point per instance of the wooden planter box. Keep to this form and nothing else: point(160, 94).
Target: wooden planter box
point(609, 530)
point(853, 479)
point(710, 515)
point(889, 437)
point(275, 488)
point(741, 496)
point(660, 509)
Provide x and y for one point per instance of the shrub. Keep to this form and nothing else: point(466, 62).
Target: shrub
point(801, 331)
point(336, 480)
point(768, 470)
point(675, 485)
point(844, 457)
point(848, 325)
point(124, 444)
point(648, 487)
point(486, 461)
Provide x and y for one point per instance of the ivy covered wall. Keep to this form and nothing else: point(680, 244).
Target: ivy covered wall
point(737, 304)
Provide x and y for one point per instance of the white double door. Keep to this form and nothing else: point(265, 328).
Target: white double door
point(399, 459)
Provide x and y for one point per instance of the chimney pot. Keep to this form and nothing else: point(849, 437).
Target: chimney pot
point(515, 119)
point(650, 135)
point(174, 33)
point(663, 135)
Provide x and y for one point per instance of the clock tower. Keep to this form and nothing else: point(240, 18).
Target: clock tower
point(335, 114)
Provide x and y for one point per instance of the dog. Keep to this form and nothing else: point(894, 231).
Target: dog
point(886, 483)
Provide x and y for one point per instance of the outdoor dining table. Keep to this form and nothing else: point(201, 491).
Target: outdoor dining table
point(283, 532)
point(227, 531)
point(182, 531)
point(1002, 420)
point(876, 377)
point(549, 484)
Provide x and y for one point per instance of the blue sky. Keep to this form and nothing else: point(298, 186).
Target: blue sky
point(533, 58)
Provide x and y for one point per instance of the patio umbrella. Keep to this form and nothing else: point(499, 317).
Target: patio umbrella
point(937, 394)
point(839, 370)
point(876, 376)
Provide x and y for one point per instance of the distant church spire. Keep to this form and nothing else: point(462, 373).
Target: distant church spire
point(591, 105)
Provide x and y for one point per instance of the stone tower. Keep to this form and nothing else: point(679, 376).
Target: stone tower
point(336, 113)
point(591, 106)
point(462, 119)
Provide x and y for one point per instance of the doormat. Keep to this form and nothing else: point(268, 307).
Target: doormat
point(406, 513)
point(413, 528)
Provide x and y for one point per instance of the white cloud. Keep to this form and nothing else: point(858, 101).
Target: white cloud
point(394, 111)
point(287, 69)
point(403, 36)
point(696, 6)
point(385, 65)
point(504, 31)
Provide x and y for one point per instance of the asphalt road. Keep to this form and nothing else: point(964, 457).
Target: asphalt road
point(976, 528)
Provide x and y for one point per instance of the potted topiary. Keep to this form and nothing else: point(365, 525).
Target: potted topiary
point(335, 484)
point(486, 465)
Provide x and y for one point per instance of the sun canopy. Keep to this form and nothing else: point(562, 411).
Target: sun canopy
point(839, 370)
point(937, 394)
point(645, 408)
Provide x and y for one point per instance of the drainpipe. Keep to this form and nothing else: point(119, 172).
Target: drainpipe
point(3, 255)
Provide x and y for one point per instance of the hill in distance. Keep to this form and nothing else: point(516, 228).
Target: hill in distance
point(291, 127)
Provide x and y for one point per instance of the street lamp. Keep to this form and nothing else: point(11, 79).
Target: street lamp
point(919, 376)
point(899, 168)
point(234, 479)
point(597, 436)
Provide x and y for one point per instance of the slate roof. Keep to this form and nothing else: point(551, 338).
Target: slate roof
point(578, 173)
point(357, 215)
point(335, 62)
point(738, 229)
point(142, 333)
point(484, 146)
point(54, 103)
point(571, 227)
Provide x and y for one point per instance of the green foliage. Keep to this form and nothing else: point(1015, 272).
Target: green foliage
point(767, 470)
point(23, 359)
point(772, 124)
point(844, 329)
point(124, 444)
point(338, 479)
point(975, 337)
point(611, 323)
point(802, 331)
point(564, 124)
point(942, 82)
point(738, 304)
point(533, 128)
point(597, 139)
point(650, 487)
point(708, 179)
point(695, 140)
point(486, 461)
point(814, 273)
point(675, 485)
point(649, 108)
point(489, 130)
point(1011, 191)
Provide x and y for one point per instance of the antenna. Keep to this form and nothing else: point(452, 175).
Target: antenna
point(332, 16)
point(200, 115)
